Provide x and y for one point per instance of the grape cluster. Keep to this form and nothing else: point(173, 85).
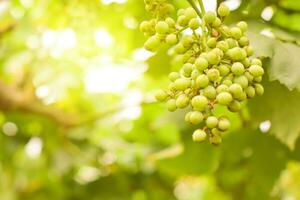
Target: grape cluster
point(217, 67)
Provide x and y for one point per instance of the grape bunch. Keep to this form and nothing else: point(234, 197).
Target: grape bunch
point(217, 65)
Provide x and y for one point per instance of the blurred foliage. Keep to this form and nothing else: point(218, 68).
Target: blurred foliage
point(78, 119)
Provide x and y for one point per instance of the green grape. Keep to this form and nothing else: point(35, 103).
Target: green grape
point(171, 22)
point(202, 81)
point(196, 117)
point(180, 12)
point(249, 50)
point(162, 27)
point(234, 106)
point(199, 102)
point(215, 140)
point(216, 131)
point(242, 80)
point(224, 124)
point(231, 43)
point(152, 43)
point(182, 83)
point(213, 74)
point(256, 70)
point(173, 76)
point(182, 101)
point(201, 64)
point(182, 21)
point(224, 98)
point(179, 48)
point(212, 42)
point(213, 58)
point(256, 61)
point(242, 97)
point(195, 74)
point(187, 41)
point(243, 26)
point(246, 62)
point(171, 39)
point(223, 69)
point(249, 76)
point(210, 92)
point(187, 68)
point(243, 41)
point(223, 10)
point(236, 32)
point(258, 79)
point(217, 23)
point(237, 68)
point(199, 135)
point(236, 90)
point(236, 54)
point(222, 88)
point(194, 23)
point(161, 95)
point(209, 17)
point(171, 105)
point(190, 13)
point(144, 26)
point(259, 89)
point(250, 91)
point(187, 117)
point(223, 45)
point(227, 82)
point(212, 122)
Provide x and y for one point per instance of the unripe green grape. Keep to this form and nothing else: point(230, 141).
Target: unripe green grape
point(223, 10)
point(250, 91)
point(249, 76)
point(162, 27)
point(224, 124)
point(194, 23)
point(234, 106)
point(152, 43)
point(196, 117)
point(212, 122)
point(203, 55)
point(242, 97)
point(191, 60)
point(195, 74)
point(236, 33)
point(223, 45)
point(212, 58)
point(182, 101)
point(161, 95)
point(181, 11)
point(235, 89)
point(242, 80)
point(144, 26)
point(226, 30)
point(187, 68)
point(224, 98)
point(210, 92)
point(173, 76)
point(171, 105)
point(256, 61)
point(168, 8)
point(227, 82)
point(213, 74)
point(249, 50)
point(190, 13)
point(171, 39)
point(256, 70)
point(201, 63)
point(258, 79)
point(215, 140)
point(231, 43)
point(212, 42)
point(237, 68)
point(182, 21)
point(259, 89)
point(199, 135)
point(202, 81)
point(217, 23)
point(209, 17)
point(216, 132)
point(171, 22)
point(243, 26)
point(237, 54)
point(246, 62)
point(243, 41)
point(199, 102)
point(187, 117)
point(179, 48)
point(218, 51)
point(187, 41)
point(222, 88)
point(223, 69)
point(171, 87)
point(182, 83)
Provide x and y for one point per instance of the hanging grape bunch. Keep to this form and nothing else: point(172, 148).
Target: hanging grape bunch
point(218, 67)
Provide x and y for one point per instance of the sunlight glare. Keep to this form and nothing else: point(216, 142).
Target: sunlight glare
point(34, 147)
point(103, 38)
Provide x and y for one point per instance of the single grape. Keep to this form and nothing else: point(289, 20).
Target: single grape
point(161, 95)
point(213, 74)
point(224, 124)
point(216, 132)
point(237, 54)
point(227, 82)
point(215, 140)
point(201, 63)
point(231, 43)
point(182, 101)
point(210, 92)
point(256, 70)
point(194, 23)
point(182, 83)
point(212, 122)
point(258, 79)
point(259, 89)
point(187, 68)
point(236, 89)
point(249, 50)
point(244, 41)
point(199, 102)
point(144, 26)
point(237, 68)
point(224, 98)
point(196, 117)
point(171, 22)
point(187, 41)
point(209, 17)
point(249, 77)
point(256, 61)
point(180, 12)
point(162, 27)
point(171, 39)
point(222, 88)
point(250, 91)
point(187, 117)
point(242, 80)
point(234, 106)
point(212, 58)
point(246, 62)
point(190, 13)
point(179, 48)
point(223, 10)
point(223, 69)
point(152, 43)
point(212, 42)
point(173, 76)
point(202, 81)
point(171, 105)
point(195, 74)
point(199, 135)
point(236, 32)
point(217, 22)
point(223, 45)
point(182, 21)
point(243, 26)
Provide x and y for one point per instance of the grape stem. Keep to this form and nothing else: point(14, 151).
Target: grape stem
point(201, 6)
point(192, 3)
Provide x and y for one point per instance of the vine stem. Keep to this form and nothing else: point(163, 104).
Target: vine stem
point(192, 3)
point(201, 6)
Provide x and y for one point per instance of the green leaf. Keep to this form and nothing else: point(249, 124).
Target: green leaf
point(262, 45)
point(287, 20)
point(290, 4)
point(281, 107)
point(285, 65)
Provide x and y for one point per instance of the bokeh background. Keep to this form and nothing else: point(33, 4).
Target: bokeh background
point(78, 119)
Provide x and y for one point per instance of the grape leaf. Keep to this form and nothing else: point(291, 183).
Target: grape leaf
point(262, 45)
point(285, 65)
point(281, 107)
